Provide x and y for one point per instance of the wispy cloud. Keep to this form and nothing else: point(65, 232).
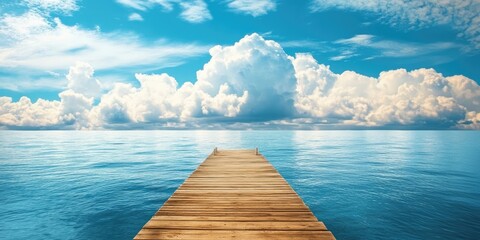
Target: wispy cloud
point(461, 15)
point(32, 81)
point(346, 54)
point(33, 43)
point(53, 46)
point(376, 46)
point(360, 39)
point(194, 11)
point(144, 5)
point(252, 7)
point(309, 45)
point(391, 48)
point(302, 44)
point(135, 17)
point(47, 6)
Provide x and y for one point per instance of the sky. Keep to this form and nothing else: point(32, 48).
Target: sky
point(239, 64)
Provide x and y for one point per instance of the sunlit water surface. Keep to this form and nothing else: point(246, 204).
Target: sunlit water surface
point(362, 184)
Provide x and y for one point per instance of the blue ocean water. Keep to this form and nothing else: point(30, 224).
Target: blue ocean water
point(362, 184)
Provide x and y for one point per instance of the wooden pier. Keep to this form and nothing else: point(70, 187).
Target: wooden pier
point(234, 194)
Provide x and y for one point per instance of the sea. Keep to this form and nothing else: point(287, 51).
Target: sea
point(361, 184)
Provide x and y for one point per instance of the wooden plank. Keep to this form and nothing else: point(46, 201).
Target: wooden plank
point(226, 197)
point(150, 234)
point(234, 194)
point(229, 218)
point(220, 225)
point(236, 180)
point(232, 201)
point(236, 208)
point(218, 213)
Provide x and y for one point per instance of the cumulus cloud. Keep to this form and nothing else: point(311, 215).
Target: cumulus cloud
point(80, 80)
point(26, 114)
point(419, 98)
point(72, 111)
point(252, 7)
point(255, 83)
point(229, 86)
point(75, 109)
point(472, 121)
point(159, 100)
point(258, 66)
point(462, 15)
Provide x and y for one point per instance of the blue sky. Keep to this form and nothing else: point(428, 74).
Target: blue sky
point(50, 47)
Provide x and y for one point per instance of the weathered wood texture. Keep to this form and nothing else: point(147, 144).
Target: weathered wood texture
point(234, 194)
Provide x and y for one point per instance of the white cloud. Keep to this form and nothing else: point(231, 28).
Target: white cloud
point(30, 42)
point(254, 83)
point(15, 28)
point(159, 100)
point(252, 7)
point(259, 66)
point(75, 109)
point(195, 11)
point(47, 6)
point(80, 80)
point(421, 97)
point(360, 39)
point(144, 5)
point(389, 48)
point(135, 4)
point(462, 15)
point(229, 85)
point(345, 54)
point(309, 45)
point(24, 113)
point(23, 83)
point(58, 46)
point(71, 112)
point(135, 17)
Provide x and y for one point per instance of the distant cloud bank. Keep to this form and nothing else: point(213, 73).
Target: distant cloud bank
point(255, 84)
